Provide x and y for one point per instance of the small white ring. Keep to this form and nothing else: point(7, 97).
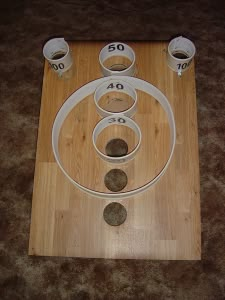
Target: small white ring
point(117, 85)
point(180, 45)
point(53, 46)
point(117, 49)
point(120, 120)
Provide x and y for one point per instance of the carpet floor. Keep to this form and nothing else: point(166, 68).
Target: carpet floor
point(24, 27)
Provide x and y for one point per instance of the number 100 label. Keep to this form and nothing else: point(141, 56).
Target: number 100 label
point(183, 66)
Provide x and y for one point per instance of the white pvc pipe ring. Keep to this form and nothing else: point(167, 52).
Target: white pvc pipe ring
point(180, 45)
point(55, 46)
point(89, 89)
point(117, 85)
point(117, 49)
point(120, 120)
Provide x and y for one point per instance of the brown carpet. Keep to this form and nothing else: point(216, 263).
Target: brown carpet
point(24, 26)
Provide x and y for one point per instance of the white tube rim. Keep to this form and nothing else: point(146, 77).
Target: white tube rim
point(183, 45)
point(66, 60)
point(128, 89)
point(106, 122)
point(185, 40)
point(128, 53)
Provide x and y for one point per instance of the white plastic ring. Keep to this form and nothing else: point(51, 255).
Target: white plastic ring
point(58, 46)
point(116, 86)
point(120, 120)
point(180, 54)
point(89, 89)
point(117, 50)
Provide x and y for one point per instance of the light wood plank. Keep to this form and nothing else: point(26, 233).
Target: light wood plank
point(163, 222)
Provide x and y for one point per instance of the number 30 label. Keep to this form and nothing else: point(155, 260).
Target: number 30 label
point(117, 120)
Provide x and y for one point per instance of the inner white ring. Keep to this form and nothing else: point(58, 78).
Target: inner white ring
point(89, 89)
point(115, 120)
point(103, 89)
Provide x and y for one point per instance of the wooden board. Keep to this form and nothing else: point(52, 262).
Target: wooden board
point(163, 222)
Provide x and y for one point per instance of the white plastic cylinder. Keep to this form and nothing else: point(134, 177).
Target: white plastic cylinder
point(117, 49)
point(58, 47)
point(120, 87)
point(180, 54)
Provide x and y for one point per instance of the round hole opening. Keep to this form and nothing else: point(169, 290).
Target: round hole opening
point(180, 54)
point(114, 214)
point(117, 140)
point(116, 180)
point(116, 148)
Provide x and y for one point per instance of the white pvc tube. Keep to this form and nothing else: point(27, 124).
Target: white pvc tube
point(183, 46)
point(56, 46)
point(117, 49)
point(120, 120)
point(120, 86)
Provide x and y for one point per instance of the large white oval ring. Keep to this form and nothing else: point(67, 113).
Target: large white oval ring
point(89, 89)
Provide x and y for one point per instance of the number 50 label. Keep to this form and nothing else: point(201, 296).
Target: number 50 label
point(113, 47)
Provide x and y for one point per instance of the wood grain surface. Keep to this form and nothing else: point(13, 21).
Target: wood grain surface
point(163, 222)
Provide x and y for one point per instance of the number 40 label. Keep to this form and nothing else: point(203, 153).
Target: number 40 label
point(118, 86)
